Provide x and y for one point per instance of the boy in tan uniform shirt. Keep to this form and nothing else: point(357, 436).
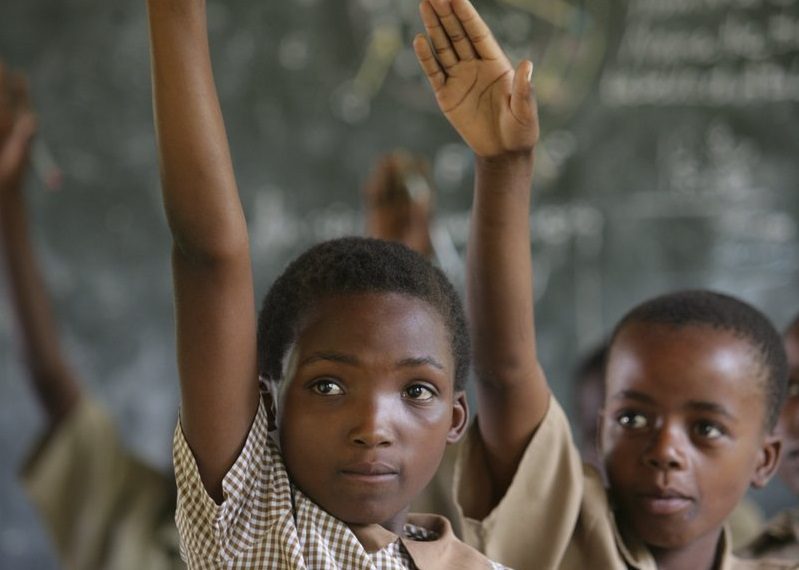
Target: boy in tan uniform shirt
point(694, 384)
point(780, 537)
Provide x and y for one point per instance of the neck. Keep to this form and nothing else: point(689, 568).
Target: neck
point(702, 554)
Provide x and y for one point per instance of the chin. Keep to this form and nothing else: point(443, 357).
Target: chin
point(364, 513)
point(663, 536)
point(665, 541)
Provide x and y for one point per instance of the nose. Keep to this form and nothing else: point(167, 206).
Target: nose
point(666, 449)
point(374, 422)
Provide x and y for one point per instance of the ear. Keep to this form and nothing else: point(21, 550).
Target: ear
point(460, 417)
point(767, 461)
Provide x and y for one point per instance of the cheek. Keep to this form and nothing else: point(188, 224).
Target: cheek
point(619, 455)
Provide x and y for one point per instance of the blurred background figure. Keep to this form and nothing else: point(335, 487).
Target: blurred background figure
point(399, 201)
point(780, 538)
point(103, 507)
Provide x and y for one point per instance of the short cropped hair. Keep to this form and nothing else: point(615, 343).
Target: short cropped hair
point(726, 313)
point(354, 265)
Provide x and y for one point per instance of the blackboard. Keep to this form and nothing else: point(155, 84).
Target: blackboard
point(668, 160)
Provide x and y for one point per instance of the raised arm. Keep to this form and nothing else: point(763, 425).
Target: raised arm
point(492, 106)
point(52, 379)
point(214, 302)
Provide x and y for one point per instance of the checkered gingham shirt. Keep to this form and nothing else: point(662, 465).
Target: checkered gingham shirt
point(266, 522)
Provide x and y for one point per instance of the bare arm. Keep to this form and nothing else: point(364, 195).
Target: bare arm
point(52, 379)
point(491, 105)
point(214, 303)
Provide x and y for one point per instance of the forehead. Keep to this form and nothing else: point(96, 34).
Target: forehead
point(391, 325)
point(678, 363)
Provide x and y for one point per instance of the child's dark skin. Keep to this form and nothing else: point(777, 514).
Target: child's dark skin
point(386, 353)
point(683, 435)
point(788, 426)
point(369, 408)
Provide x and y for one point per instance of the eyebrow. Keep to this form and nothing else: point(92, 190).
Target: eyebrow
point(329, 356)
point(352, 360)
point(420, 361)
point(698, 405)
point(633, 395)
point(711, 407)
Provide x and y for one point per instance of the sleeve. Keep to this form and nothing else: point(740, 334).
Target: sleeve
point(534, 524)
point(100, 503)
point(256, 492)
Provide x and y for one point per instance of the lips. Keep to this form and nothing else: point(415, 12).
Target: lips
point(664, 502)
point(370, 471)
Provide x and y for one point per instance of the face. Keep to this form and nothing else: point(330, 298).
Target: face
point(683, 431)
point(788, 426)
point(369, 405)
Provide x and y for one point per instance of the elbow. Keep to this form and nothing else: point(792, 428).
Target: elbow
point(213, 242)
point(508, 373)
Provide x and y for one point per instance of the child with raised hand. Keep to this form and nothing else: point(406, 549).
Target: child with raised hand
point(361, 346)
point(780, 537)
point(103, 506)
point(694, 382)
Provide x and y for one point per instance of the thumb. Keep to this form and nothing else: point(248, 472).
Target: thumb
point(521, 98)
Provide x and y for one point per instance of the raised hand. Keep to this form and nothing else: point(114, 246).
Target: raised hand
point(398, 201)
point(17, 127)
point(489, 103)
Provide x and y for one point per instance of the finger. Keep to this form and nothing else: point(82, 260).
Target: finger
point(476, 30)
point(455, 32)
point(432, 69)
point(522, 102)
point(438, 36)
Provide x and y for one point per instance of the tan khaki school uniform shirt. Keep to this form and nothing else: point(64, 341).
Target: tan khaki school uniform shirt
point(555, 514)
point(264, 521)
point(779, 539)
point(103, 507)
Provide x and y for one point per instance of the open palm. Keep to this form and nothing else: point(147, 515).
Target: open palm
point(488, 102)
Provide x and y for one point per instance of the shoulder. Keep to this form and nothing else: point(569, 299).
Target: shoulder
point(432, 544)
point(779, 539)
point(763, 564)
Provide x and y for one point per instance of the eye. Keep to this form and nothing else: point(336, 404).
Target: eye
point(632, 420)
point(793, 389)
point(418, 392)
point(327, 387)
point(708, 430)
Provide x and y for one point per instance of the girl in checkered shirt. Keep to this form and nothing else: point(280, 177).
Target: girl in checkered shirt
point(361, 346)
